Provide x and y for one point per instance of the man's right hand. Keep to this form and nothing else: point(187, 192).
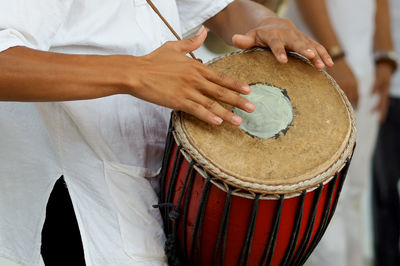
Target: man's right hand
point(166, 77)
point(169, 78)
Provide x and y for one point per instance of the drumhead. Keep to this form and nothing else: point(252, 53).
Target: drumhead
point(310, 149)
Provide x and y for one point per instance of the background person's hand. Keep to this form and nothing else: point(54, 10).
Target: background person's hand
point(169, 78)
point(280, 34)
point(344, 76)
point(383, 74)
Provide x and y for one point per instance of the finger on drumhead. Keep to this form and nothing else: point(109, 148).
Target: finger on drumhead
point(244, 41)
point(317, 62)
point(301, 45)
point(214, 107)
point(324, 55)
point(227, 96)
point(199, 111)
point(224, 80)
point(212, 112)
point(278, 49)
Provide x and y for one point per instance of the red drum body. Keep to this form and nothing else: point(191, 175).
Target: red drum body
point(235, 196)
point(216, 224)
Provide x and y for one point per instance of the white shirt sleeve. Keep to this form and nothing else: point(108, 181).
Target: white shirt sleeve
point(31, 23)
point(193, 13)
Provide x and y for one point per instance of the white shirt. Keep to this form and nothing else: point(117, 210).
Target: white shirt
point(395, 16)
point(107, 149)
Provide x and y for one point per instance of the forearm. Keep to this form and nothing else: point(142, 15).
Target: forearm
point(316, 16)
point(31, 75)
point(382, 38)
point(238, 18)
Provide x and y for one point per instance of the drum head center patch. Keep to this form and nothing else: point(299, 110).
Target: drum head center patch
point(273, 113)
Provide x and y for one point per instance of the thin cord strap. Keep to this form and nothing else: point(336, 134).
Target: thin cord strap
point(169, 26)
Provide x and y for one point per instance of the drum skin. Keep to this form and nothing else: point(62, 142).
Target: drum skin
point(239, 219)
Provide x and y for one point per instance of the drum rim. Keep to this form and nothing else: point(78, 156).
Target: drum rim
point(290, 189)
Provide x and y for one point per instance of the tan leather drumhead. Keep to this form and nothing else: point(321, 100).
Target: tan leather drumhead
point(315, 146)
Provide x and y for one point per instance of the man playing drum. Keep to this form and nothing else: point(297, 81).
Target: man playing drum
point(59, 60)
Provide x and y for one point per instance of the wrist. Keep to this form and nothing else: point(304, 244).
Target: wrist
point(336, 52)
point(387, 57)
point(121, 78)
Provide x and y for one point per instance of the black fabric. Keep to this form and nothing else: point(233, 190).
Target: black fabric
point(385, 196)
point(61, 240)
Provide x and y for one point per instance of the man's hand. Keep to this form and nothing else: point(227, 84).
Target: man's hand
point(246, 24)
point(383, 74)
point(280, 34)
point(168, 77)
point(344, 76)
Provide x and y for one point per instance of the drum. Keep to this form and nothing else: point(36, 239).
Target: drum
point(262, 193)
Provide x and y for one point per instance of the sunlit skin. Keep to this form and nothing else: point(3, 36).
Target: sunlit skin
point(167, 76)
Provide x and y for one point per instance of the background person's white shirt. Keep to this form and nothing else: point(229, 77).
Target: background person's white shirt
point(395, 16)
point(107, 149)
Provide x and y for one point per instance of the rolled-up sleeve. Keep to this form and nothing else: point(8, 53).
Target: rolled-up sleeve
point(31, 23)
point(193, 13)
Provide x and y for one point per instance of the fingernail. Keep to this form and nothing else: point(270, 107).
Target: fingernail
point(217, 120)
point(330, 61)
point(198, 33)
point(310, 51)
point(249, 107)
point(236, 120)
point(320, 63)
point(282, 57)
point(246, 88)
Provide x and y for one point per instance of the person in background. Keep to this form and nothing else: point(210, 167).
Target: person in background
point(386, 158)
point(350, 30)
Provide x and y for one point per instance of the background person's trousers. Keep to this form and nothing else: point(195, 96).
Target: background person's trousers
point(385, 193)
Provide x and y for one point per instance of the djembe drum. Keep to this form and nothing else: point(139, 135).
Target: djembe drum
point(263, 193)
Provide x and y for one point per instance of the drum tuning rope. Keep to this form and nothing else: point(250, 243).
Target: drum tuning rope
point(170, 27)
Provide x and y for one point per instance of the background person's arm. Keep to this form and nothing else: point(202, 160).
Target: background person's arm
point(383, 71)
point(316, 16)
point(247, 24)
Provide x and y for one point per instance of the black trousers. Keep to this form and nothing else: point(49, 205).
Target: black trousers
point(385, 195)
point(61, 240)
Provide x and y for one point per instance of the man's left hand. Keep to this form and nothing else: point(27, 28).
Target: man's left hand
point(280, 34)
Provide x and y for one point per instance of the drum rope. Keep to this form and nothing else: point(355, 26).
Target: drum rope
point(323, 222)
point(270, 247)
point(223, 229)
point(185, 214)
point(172, 182)
point(171, 243)
point(199, 221)
point(342, 177)
point(307, 234)
point(245, 254)
point(295, 232)
point(155, 9)
point(165, 161)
